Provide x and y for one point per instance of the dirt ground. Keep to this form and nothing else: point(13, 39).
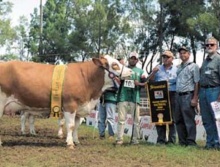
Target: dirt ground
point(46, 149)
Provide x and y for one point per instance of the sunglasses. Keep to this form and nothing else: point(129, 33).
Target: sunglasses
point(210, 44)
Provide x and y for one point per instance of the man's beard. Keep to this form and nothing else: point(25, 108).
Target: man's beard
point(209, 51)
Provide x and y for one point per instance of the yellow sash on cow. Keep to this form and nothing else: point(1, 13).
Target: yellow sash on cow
point(56, 92)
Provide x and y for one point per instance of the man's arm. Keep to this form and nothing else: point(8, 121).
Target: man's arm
point(194, 101)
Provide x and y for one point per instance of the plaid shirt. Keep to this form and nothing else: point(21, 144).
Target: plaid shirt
point(187, 76)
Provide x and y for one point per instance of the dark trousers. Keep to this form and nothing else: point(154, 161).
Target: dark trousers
point(185, 120)
point(161, 130)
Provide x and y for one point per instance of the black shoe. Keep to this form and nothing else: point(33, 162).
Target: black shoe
point(182, 144)
point(169, 143)
point(160, 143)
point(208, 147)
point(102, 137)
point(192, 144)
point(217, 147)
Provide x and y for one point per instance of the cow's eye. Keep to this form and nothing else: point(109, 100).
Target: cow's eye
point(115, 66)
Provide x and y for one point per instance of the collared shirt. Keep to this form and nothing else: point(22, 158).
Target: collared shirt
point(210, 71)
point(187, 76)
point(167, 75)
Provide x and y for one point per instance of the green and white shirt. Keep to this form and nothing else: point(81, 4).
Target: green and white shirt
point(131, 94)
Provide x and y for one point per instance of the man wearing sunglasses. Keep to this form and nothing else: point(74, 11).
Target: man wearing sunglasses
point(166, 72)
point(210, 91)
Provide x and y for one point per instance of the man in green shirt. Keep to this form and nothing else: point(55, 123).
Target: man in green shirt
point(129, 100)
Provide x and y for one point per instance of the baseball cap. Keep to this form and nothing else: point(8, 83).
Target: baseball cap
point(184, 48)
point(168, 53)
point(133, 54)
point(120, 57)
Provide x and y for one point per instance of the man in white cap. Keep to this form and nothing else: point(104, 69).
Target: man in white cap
point(129, 99)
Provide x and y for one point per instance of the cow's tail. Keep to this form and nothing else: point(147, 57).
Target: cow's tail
point(1, 114)
point(1, 109)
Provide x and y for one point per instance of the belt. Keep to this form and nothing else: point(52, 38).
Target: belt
point(209, 86)
point(184, 93)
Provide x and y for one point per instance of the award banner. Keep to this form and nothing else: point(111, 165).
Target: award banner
point(56, 91)
point(160, 110)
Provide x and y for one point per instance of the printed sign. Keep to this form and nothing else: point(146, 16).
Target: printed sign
point(216, 108)
point(159, 102)
point(148, 131)
point(129, 84)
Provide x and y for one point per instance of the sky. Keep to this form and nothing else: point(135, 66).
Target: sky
point(23, 7)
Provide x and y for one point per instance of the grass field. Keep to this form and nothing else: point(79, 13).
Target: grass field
point(46, 150)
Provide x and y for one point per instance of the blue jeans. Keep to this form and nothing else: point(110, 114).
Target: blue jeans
point(106, 117)
point(206, 96)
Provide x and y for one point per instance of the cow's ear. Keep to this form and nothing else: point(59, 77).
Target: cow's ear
point(97, 61)
point(101, 62)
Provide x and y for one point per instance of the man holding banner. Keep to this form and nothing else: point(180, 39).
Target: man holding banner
point(129, 99)
point(166, 72)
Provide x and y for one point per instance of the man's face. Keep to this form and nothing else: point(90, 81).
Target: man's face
point(133, 61)
point(122, 61)
point(184, 55)
point(167, 60)
point(211, 46)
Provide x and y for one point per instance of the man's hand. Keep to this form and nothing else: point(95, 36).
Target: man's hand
point(218, 99)
point(155, 69)
point(138, 83)
point(194, 102)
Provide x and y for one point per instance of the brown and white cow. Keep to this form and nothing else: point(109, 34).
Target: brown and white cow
point(26, 86)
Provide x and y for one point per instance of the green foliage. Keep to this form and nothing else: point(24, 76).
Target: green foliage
point(8, 57)
point(7, 33)
point(78, 29)
point(204, 23)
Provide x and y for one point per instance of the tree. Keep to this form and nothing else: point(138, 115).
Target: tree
point(180, 12)
point(100, 26)
point(23, 38)
point(7, 32)
point(55, 32)
point(77, 28)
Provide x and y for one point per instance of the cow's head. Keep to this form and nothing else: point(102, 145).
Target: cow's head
point(112, 68)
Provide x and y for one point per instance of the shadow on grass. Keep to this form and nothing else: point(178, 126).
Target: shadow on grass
point(33, 144)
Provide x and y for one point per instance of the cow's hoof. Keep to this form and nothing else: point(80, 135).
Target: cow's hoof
point(71, 147)
point(76, 143)
point(33, 134)
point(60, 136)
